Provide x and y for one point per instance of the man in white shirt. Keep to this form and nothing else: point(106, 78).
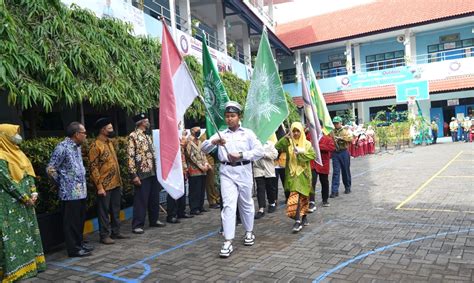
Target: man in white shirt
point(237, 148)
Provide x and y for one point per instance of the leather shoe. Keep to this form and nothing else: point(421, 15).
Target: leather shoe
point(173, 220)
point(87, 248)
point(197, 212)
point(80, 253)
point(119, 237)
point(158, 224)
point(214, 206)
point(107, 241)
point(185, 216)
point(203, 210)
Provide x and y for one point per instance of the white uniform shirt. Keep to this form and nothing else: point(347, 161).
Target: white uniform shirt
point(265, 167)
point(242, 140)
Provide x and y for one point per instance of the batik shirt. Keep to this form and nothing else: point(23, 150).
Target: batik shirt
point(196, 158)
point(104, 166)
point(67, 169)
point(141, 160)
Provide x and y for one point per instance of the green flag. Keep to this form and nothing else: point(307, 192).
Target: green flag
point(265, 108)
point(318, 100)
point(215, 95)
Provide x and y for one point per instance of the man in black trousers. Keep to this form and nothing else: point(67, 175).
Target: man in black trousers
point(176, 208)
point(141, 166)
point(66, 168)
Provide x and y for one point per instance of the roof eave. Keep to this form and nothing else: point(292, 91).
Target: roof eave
point(469, 14)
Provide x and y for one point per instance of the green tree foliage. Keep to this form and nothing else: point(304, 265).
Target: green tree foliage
point(51, 54)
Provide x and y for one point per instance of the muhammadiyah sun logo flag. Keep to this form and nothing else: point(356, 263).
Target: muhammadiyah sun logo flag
point(266, 107)
point(318, 100)
point(215, 95)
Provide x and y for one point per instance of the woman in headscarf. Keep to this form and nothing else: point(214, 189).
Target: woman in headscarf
point(299, 152)
point(21, 252)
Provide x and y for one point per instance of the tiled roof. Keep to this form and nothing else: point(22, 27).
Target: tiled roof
point(389, 91)
point(378, 16)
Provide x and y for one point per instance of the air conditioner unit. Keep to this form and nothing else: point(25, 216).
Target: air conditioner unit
point(401, 38)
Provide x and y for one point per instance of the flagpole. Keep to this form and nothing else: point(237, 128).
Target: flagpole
point(197, 89)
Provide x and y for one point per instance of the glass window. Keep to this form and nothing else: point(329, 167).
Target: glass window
point(324, 66)
point(379, 57)
point(432, 48)
point(389, 55)
point(468, 42)
point(370, 59)
point(399, 54)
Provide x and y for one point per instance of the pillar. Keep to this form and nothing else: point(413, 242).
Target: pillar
point(348, 54)
point(408, 56)
point(185, 13)
point(173, 17)
point(298, 65)
point(246, 44)
point(220, 26)
point(363, 113)
point(358, 68)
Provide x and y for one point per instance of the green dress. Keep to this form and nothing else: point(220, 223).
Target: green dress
point(302, 182)
point(21, 252)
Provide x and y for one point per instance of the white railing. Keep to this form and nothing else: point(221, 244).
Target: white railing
point(451, 54)
point(181, 23)
point(261, 11)
point(445, 55)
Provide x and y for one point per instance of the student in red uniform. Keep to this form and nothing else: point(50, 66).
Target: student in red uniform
point(326, 146)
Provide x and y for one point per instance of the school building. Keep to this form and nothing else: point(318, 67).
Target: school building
point(383, 53)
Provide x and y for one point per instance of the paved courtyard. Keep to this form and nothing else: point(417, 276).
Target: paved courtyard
point(410, 218)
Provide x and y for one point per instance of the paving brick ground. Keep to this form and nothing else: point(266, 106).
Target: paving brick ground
point(361, 237)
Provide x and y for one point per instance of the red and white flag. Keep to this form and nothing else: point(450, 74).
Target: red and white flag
point(177, 92)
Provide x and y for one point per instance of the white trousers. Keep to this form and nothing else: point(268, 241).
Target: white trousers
point(236, 189)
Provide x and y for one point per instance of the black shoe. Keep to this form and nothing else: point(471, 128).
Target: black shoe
point(297, 227)
point(271, 208)
point(195, 212)
point(158, 224)
point(304, 221)
point(214, 206)
point(332, 195)
point(203, 210)
point(337, 194)
point(87, 248)
point(119, 237)
point(185, 216)
point(173, 220)
point(347, 191)
point(238, 222)
point(259, 215)
point(80, 253)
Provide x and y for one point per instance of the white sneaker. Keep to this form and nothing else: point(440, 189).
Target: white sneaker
point(249, 239)
point(312, 207)
point(226, 249)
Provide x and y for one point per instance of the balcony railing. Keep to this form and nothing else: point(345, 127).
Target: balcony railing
point(261, 11)
point(445, 55)
point(160, 10)
point(237, 52)
point(212, 40)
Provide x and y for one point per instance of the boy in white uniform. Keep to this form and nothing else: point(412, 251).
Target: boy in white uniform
point(236, 150)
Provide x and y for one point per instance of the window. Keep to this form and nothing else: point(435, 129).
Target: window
point(385, 60)
point(450, 50)
point(288, 76)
